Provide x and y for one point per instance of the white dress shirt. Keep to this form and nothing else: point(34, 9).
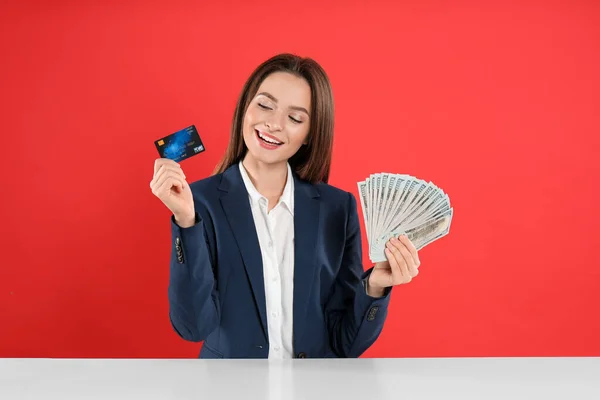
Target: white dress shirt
point(275, 230)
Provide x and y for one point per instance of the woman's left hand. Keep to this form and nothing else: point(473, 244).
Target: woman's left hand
point(401, 267)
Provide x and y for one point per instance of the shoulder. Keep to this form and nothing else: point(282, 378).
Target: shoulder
point(207, 184)
point(206, 191)
point(338, 208)
point(336, 197)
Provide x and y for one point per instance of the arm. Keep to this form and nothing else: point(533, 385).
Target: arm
point(354, 318)
point(193, 299)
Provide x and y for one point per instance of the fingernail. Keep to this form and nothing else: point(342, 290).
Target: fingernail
point(393, 239)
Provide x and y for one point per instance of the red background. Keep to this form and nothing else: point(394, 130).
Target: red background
point(496, 103)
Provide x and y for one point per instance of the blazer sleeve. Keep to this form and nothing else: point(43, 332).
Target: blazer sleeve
point(194, 308)
point(354, 318)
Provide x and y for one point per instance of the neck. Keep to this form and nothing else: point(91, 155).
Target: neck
point(268, 179)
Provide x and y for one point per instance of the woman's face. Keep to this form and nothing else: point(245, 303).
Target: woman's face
point(276, 123)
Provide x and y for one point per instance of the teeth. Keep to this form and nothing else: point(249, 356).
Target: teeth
point(268, 139)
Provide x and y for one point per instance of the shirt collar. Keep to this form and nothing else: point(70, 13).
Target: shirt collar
point(287, 197)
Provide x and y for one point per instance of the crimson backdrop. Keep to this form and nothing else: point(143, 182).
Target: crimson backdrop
point(496, 103)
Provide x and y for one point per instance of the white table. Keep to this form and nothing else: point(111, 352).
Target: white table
point(364, 379)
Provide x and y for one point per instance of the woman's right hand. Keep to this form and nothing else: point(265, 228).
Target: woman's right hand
point(170, 186)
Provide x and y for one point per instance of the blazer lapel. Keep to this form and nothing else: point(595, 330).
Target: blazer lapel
point(237, 209)
point(306, 236)
point(236, 205)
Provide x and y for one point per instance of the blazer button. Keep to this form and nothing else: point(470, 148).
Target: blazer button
point(372, 312)
point(302, 355)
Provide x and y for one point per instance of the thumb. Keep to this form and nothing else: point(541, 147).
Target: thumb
point(178, 187)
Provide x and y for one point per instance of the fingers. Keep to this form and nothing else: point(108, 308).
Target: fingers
point(397, 264)
point(167, 184)
point(166, 180)
point(402, 261)
point(403, 248)
point(159, 162)
point(412, 249)
point(396, 274)
point(165, 169)
point(168, 168)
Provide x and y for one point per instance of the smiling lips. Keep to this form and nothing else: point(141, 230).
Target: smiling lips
point(267, 141)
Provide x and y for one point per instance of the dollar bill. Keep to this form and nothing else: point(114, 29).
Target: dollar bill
point(394, 204)
point(420, 236)
point(387, 195)
point(364, 204)
point(394, 201)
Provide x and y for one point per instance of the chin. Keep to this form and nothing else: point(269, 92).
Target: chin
point(259, 156)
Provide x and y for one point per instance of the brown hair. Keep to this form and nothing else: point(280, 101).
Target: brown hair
point(313, 160)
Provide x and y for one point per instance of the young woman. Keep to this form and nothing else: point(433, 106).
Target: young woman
point(266, 258)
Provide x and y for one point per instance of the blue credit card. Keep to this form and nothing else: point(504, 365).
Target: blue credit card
point(180, 145)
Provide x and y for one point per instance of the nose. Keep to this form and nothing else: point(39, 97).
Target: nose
point(273, 122)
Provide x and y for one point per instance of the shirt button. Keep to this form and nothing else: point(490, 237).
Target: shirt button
point(270, 243)
point(274, 314)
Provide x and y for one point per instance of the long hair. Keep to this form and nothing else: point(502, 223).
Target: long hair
point(313, 160)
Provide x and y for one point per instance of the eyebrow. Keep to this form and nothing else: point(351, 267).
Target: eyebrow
point(269, 95)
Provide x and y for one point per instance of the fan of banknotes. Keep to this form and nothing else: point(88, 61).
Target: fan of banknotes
point(395, 204)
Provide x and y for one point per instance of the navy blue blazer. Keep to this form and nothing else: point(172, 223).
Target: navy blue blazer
point(216, 290)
